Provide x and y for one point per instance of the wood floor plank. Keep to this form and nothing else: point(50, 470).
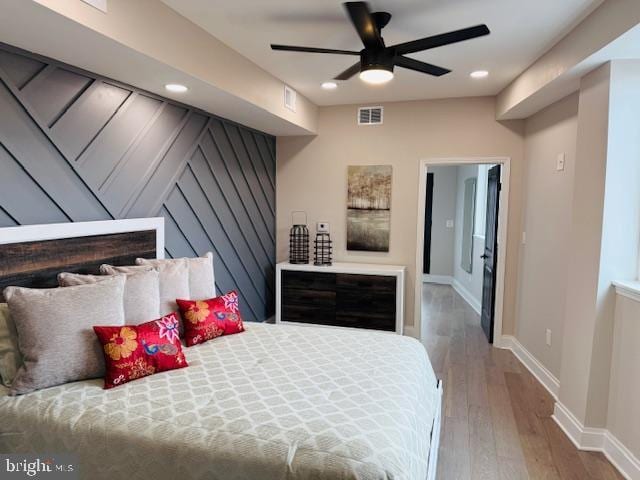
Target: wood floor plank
point(484, 461)
point(533, 438)
point(505, 430)
point(512, 470)
point(477, 382)
point(599, 467)
point(495, 376)
point(497, 423)
point(565, 455)
point(457, 348)
point(438, 348)
point(453, 457)
point(456, 398)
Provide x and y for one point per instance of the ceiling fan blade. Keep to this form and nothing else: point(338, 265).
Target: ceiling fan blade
point(349, 72)
point(442, 39)
point(292, 48)
point(419, 66)
point(364, 24)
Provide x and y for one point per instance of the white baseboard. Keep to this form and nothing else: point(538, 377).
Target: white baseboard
point(597, 440)
point(467, 296)
point(537, 369)
point(584, 438)
point(439, 279)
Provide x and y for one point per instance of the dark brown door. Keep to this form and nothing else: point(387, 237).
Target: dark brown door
point(428, 221)
point(490, 254)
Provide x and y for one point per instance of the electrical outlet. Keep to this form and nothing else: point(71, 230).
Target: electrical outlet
point(322, 227)
point(524, 238)
point(560, 162)
point(449, 223)
point(548, 337)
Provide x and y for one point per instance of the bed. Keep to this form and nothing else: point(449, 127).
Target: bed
point(275, 402)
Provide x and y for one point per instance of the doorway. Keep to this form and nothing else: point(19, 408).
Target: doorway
point(459, 247)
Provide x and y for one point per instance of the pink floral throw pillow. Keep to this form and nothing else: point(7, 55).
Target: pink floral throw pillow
point(136, 351)
point(207, 319)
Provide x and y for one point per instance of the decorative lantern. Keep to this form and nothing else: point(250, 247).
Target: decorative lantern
point(299, 241)
point(322, 249)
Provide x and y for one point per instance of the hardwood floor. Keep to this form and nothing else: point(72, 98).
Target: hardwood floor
point(497, 418)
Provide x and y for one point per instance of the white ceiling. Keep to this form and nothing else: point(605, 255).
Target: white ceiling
point(521, 31)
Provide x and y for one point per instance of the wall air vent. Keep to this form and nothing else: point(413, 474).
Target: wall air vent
point(290, 98)
point(370, 115)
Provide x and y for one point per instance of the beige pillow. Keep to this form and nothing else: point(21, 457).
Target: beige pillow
point(141, 292)
point(10, 358)
point(201, 277)
point(55, 331)
point(174, 282)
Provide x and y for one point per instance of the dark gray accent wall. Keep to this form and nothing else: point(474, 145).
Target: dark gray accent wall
point(76, 147)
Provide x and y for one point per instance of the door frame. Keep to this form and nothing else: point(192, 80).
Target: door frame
point(503, 216)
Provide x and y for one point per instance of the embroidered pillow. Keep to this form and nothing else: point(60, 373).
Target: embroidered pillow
point(141, 292)
point(136, 351)
point(207, 319)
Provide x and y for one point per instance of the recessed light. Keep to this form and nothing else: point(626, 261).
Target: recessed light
point(176, 87)
point(479, 74)
point(329, 85)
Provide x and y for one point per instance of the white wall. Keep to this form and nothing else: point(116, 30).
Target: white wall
point(469, 285)
point(546, 221)
point(444, 208)
point(623, 419)
point(312, 175)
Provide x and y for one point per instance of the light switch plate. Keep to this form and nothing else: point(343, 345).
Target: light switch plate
point(548, 337)
point(322, 227)
point(560, 162)
point(449, 223)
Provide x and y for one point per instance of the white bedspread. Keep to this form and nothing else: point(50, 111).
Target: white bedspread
point(275, 402)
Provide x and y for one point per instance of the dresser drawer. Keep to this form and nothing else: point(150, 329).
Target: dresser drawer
point(366, 283)
point(308, 280)
point(317, 314)
point(329, 296)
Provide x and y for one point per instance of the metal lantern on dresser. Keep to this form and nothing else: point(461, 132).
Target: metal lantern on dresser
point(299, 241)
point(322, 249)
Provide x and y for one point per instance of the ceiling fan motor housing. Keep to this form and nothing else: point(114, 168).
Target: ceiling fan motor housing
point(377, 59)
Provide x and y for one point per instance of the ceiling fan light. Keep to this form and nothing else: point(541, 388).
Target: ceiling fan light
point(376, 76)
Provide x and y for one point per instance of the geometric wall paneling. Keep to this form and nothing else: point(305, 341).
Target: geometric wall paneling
point(75, 146)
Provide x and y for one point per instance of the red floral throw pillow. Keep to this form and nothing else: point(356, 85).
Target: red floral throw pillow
point(207, 319)
point(135, 351)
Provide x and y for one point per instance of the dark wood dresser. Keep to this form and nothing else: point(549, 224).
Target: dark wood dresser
point(355, 295)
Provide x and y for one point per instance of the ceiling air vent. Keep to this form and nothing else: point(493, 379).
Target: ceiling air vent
point(290, 98)
point(370, 116)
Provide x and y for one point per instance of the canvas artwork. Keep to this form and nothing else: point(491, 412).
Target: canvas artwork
point(369, 207)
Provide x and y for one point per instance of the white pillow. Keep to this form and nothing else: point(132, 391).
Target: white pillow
point(174, 281)
point(141, 292)
point(201, 277)
point(10, 358)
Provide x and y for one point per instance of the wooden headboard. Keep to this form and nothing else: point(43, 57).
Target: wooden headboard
point(33, 255)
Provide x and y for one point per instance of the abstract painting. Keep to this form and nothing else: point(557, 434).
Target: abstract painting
point(369, 207)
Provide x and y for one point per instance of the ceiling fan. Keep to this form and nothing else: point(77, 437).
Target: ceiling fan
point(376, 59)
